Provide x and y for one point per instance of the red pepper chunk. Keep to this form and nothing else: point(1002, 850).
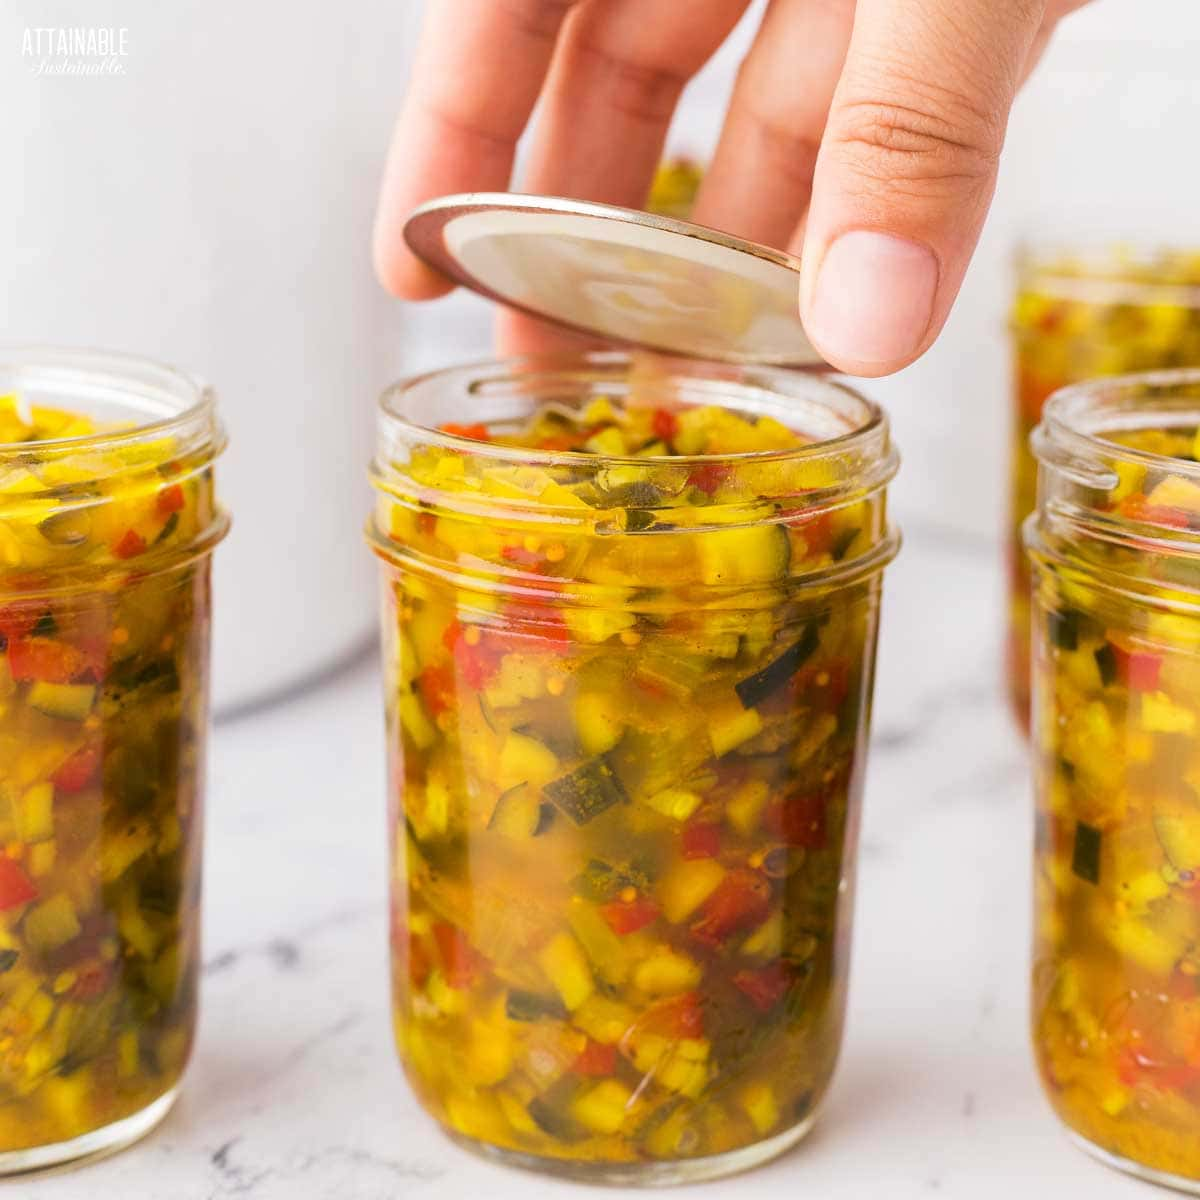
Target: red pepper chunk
point(1138, 508)
point(79, 771)
point(665, 424)
point(741, 901)
point(130, 544)
point(437, 689)
point(799, 821)
point(709, 476)
point(701, 840)
point(628, 916)
point(170, 499)
point(17, 620)
point(460, 961)
point(92, 978)
point(764, 987)
point(43, 660)
point(817, 532)
point(1137, 669)
point(596, 1060)
point(477, 432)
point(15, 886)
point(679, 1017)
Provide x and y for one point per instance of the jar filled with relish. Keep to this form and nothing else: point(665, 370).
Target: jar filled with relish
point(1082, 313)
point(107, 524)
point(629, 614)
point(1115, 552)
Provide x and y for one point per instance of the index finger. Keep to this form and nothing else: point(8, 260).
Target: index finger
point(479, 67)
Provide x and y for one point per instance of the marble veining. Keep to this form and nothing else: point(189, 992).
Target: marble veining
point(295, 1094)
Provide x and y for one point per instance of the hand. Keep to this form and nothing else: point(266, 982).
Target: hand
point(862, 136)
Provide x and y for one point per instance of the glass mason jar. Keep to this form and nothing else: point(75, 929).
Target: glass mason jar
point(1081, 313)
point(107, 524)
point(627, 710)
point(1115, 549)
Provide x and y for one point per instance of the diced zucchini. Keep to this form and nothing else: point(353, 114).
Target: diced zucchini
point(604, 1020)
point(518, 813)
point(676, 803)
point(747, 555)
point(1106, 663)
point(604, 1107)
point(604, 949)
point(67, 701)
point(758, 1102)
point(1085, 857)
point(532, 1006)
point(524, 759)
point(414, 721)
point(745, 807)
point(547, 1117)
point(729, 727)
point(687, 885)
point(667, 973)
point(567, 968)
point(756, 688)
point(598, 720)
point(35, 813)
point(52, 924)
point(122, 846)
point(1178, 833)
point(588, 791)
point(1063, 628)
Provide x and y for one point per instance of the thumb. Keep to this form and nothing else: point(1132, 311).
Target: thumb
point(906, 172)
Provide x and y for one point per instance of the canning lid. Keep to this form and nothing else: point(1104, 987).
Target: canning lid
point(626, 276)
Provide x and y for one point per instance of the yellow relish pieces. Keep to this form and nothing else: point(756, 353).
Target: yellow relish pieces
point(103, 650)
point(1117, 738)
point(1077, 317)
point(625, 757)
point(675, 187)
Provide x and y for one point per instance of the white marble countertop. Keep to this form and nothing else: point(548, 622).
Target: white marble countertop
point(295, 1094)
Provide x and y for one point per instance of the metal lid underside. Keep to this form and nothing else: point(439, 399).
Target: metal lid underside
point(620, 274)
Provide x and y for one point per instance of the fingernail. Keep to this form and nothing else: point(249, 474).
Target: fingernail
point(874, 298)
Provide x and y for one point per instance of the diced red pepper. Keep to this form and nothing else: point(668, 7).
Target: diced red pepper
point(170, 499)
point(437, 688)
point(15, 886)
point(1139, 1065)
point(664, 423)
point(1138, 508)
point(764, 987)
point(596, 1059)
point(17, 620)
point(130, 544)
point(560, 442)
point(679, 1017)
point(93, 977)
point(709, 476)
point(628, 916)
point(817, 532)
point(741, 901)
point(1137, 669)
point(460, 960)
point(701, 840)
point(523, 558)
point(80, 770)
point(43, 660)
point(477, 432)
point(799, 821)
point(476, 656)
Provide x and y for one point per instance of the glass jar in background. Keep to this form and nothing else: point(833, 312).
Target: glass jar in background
point(1115, 550)
point(107, 525)
point(1081, 313)
point(629, 615)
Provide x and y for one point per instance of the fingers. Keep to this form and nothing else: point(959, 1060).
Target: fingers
point(760, 179)
point(479, 68)
point(609, 99)
point(616, 78)
point(906, 172)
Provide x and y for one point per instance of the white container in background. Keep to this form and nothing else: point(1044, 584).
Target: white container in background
point(210, 205)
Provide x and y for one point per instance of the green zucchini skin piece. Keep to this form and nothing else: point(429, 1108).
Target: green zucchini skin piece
point(588, 791)
point(756, 688)
point(1063, 628)
point(531, 1006)
point(1085, 856)
point(1106, 663)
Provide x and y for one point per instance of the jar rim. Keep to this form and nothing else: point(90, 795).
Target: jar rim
point(550, 365)
point(175, 401)
point(1071, 435)
point(1100, 268)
